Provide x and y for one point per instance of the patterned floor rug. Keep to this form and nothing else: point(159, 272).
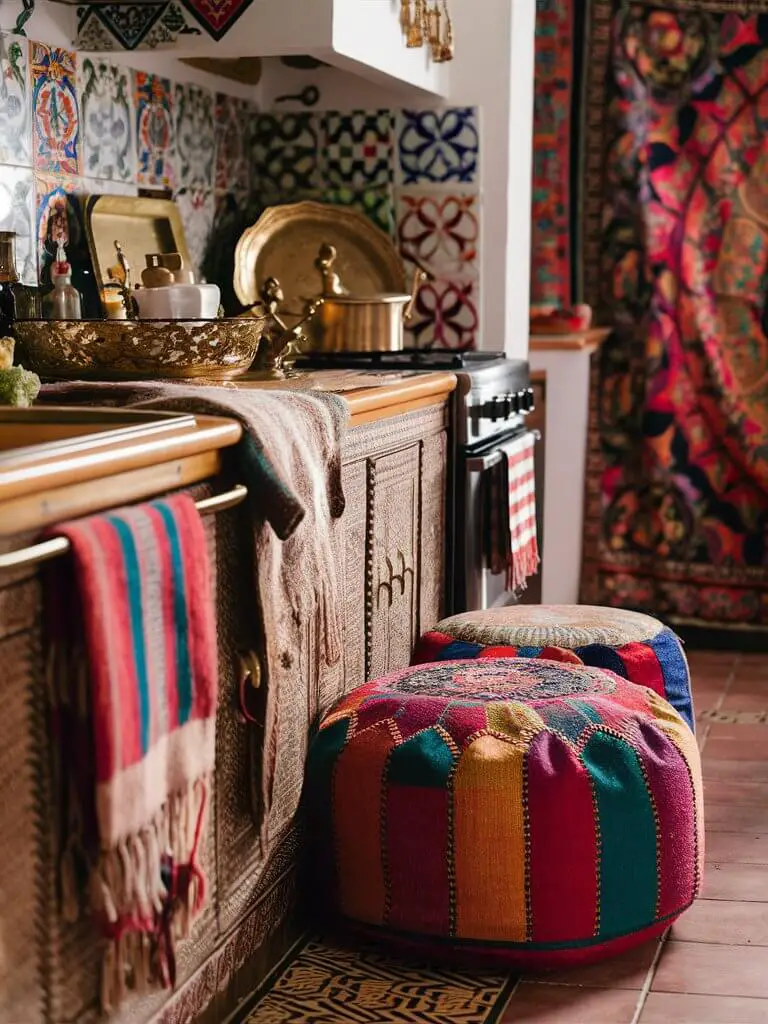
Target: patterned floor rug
point(675, 229)
point(330, 983)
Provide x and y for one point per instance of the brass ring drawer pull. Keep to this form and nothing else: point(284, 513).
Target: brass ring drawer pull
point(48, 549)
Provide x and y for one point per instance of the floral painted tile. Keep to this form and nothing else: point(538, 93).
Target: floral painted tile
point(233, 117)
point(356, 149)
point(17, 213)
point(58, 218)
point(377, 204)
point(438, 147)
point(284, 154)
point(154, 130)
point(56, 117)
point(442, 230)
point(197, 207)
point(131, 26)
point(107, 121)
point(15, 103)
point(446, 315)
point(195, 136)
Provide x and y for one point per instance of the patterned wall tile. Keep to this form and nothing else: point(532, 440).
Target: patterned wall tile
point(284, 154)
point(195, 137)
point(108, 187)
point(438, 147)
point(356, 149)
point(17, 213)
point(441, 230)
point(233, 117)
point(197, 207)
point(446, 315)
point(56, 137)
point(154, 130)
point(377, 204)
point(107, 116)
point(131, 26)
point(15, 102)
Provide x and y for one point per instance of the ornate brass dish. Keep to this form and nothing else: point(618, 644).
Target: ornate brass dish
point(139, 349)
point(284, 243)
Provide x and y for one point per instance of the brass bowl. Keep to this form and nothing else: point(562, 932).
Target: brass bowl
point(139, 349)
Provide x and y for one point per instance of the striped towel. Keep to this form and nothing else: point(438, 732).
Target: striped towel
point(511, 513)
point(134, 679)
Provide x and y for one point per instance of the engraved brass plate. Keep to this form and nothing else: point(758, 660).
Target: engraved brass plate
point(284, 244)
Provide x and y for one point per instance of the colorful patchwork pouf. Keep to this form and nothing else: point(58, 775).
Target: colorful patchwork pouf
point(510, 810)
point(637, 647)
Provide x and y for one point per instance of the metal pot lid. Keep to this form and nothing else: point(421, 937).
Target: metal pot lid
point(284, 243)
point(363, 300)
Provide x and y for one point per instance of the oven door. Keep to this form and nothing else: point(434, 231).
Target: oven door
point(476, 586)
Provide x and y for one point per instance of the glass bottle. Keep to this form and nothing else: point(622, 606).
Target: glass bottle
point(17, 301)
point(63, 303)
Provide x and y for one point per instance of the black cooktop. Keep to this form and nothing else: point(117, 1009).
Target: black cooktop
point(411, 358)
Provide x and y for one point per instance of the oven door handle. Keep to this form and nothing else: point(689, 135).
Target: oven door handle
point(480, 463)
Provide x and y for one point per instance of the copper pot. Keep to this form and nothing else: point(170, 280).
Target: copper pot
point(357, 323)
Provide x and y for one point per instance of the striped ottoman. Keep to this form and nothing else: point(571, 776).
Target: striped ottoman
point(635, 646)
point(511, 810)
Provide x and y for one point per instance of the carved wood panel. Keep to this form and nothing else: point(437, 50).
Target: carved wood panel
point(392, 552)
point(433, 526)
point(353, 576)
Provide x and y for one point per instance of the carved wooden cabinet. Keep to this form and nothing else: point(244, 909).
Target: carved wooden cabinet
point(389, 546)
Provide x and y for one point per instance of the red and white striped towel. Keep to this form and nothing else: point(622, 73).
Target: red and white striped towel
point(512, 513)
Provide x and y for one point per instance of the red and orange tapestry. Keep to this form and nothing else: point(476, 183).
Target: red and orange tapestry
point(551, 190)
point(675, 227)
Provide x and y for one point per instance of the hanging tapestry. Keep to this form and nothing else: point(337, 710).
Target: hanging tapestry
point(675, 224)
point(551, 203)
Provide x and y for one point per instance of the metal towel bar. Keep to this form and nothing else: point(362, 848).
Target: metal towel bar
point(48, 549)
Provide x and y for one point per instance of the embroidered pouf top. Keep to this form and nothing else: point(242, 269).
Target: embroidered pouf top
point(519, 810)
point(635, 646)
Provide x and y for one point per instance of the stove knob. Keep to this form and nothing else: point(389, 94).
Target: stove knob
point(530, 400)
point(513, 404)
point(491, 410)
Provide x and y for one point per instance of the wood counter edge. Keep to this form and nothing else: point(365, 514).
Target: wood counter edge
point(385, 400)
point(580, 341)
point(210, 434)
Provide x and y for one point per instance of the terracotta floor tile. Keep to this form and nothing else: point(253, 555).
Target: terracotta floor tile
point(734, 771)
point(736, 817)
point(561, 1004)
point(727, 922)
point(733, 749)
point(712, 970)
point(669, 1008)
point(736, 792)
point(740, 700)
point(743, 733)
point(737, 848)
point(627, 971)
point(746, 883)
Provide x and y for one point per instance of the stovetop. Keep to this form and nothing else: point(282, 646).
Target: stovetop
point(412, 358)
point(493, 393)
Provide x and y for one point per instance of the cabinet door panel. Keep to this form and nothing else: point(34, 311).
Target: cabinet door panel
point(392, 552)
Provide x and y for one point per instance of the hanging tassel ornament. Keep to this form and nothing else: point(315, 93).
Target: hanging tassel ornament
point(415, 37)
point(405, 17)
point(446, 49)
point(435, 41)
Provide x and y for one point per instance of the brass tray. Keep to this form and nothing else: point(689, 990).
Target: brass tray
point(139, 224)
point(284, 244)
point(139, 349)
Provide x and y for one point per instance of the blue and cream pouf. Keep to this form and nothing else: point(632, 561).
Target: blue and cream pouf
point(635, 646)
point(517, 810)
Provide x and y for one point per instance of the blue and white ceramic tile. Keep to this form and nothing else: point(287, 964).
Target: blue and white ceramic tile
point(107, 119)
point(17, 213)
point(356, 149)
point(284, 155)
point(197, 207)
point(438, 147)
point(15, 102)
point(154, 130)
point(103, 28)
point(195, 136)
point(56, 114)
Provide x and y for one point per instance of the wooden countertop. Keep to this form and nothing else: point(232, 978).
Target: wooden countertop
point(581, 341)
point(58, 485)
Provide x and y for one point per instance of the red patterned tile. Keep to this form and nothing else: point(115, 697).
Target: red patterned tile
point(446, 315)
point(441, 230)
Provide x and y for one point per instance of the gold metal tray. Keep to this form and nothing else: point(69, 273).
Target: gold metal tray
point(285, 241)
point(140, 225)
